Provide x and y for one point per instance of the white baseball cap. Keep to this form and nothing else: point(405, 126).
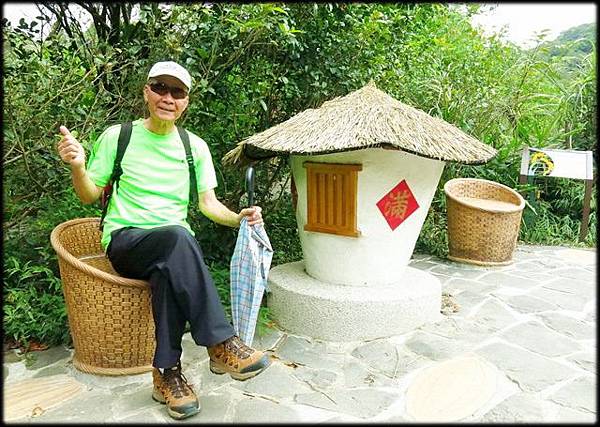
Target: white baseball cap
point(170, 68)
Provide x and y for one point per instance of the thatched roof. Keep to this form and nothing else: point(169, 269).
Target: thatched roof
point(364, 118)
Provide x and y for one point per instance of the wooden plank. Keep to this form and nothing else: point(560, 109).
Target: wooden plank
point(338, 232)
point(338, 198)
point(329, 189)
point(332, 167)
point(344, 207)
point(322, 198)
point(522, 179)
point(352, 188)
point(311, 196)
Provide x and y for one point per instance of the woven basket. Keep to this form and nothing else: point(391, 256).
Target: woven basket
point(110, 317)
point(484, 218)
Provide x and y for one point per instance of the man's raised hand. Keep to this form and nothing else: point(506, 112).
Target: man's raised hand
point(70, 150)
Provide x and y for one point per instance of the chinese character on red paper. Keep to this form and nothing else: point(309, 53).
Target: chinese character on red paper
point(398, 204)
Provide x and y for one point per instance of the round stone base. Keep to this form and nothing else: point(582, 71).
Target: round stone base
point(309, 307)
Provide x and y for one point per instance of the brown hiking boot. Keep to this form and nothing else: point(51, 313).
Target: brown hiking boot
point(236, 358)
point(171, 387)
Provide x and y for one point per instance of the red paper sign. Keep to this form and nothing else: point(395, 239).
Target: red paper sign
point(398, 204)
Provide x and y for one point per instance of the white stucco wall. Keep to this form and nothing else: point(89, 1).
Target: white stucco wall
point(379, 255)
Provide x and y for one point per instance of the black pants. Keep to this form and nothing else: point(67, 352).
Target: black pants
point(171, 260)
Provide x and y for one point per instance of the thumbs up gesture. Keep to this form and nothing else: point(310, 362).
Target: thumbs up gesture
point(70, 150)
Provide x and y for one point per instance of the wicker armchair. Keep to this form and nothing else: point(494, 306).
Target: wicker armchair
point(110, 317)
point(484, 219)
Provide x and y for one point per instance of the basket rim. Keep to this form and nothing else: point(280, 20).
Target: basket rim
point(93, 271)
point(517, 208)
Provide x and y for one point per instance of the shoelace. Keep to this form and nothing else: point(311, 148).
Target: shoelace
point(236, 346)
point(177, 382)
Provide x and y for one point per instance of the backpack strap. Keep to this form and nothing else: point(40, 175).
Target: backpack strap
point(124, 137)
point(185, 138)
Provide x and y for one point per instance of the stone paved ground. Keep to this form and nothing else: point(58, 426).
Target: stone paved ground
point(532, 323)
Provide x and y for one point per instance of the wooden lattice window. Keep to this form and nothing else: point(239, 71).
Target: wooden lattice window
point(331, 198)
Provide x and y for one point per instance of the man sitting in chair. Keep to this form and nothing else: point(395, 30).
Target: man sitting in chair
point(146, 234)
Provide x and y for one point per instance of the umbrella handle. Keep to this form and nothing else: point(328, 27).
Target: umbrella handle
point(250, 185)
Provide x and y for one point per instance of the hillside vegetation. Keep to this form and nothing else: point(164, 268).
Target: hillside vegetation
point(576, 41)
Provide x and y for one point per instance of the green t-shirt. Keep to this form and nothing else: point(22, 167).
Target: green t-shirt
point(154, 188)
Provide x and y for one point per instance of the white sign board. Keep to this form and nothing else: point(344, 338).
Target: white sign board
point(565, 164)
point(557, 163)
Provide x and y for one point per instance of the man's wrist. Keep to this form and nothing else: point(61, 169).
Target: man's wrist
point(78, 172)
point(238, 220)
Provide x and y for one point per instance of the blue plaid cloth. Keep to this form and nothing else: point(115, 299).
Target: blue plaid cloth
point(249, 270)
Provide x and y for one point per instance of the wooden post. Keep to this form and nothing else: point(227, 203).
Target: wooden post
point(586, 209)
point(524, 166)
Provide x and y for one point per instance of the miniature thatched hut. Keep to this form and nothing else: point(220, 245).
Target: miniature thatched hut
point(366, 168)
point(366, 118)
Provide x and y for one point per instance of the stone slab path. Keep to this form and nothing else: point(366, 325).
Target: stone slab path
point(516, 344)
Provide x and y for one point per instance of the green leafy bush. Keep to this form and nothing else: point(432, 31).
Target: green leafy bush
point(33, 304)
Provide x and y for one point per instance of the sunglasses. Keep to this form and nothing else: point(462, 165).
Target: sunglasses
point(162, 89)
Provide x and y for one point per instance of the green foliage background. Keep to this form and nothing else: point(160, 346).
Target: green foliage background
point(256, 65)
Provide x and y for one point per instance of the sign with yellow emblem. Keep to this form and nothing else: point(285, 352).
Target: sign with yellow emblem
point(556, 163)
